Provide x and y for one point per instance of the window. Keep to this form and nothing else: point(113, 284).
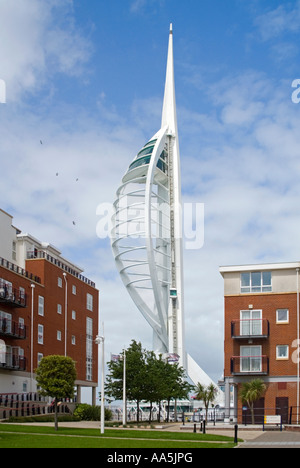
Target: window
point(41, 306)
point(5, 322)
point(14, 250)
point(282, 316)
point(58, 335)
point(59, 309)
point(73, 340)
point(251, 359)
point(74, 290)
point(282, 352)
point(59, 282)
point(256, 282)
point(73, 315)
point(21, 324)
point(40, 334)
point(89, 302)
point(39, 358)
point(22, 294)
point(251, 323)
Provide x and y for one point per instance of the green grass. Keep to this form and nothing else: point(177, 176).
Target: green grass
point(17, 436)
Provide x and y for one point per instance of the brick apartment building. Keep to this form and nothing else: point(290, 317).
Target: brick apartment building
point(261, 333)
point(46, 307)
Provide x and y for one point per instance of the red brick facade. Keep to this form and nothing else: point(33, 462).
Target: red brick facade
point(279, 374)
point(49, 307)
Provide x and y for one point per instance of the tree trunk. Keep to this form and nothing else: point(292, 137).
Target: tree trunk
point(252, 413)
point(151, 404)
point(168, 413)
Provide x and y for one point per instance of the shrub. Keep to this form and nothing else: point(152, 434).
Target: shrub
point(85, 412)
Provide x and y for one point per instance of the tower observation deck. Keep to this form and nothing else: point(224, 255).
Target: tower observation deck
point(147, 234)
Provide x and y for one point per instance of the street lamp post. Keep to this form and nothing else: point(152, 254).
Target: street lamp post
point(31, 337)
point(100, 341)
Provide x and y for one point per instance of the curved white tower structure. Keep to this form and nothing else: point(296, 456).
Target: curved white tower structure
point(147, 233)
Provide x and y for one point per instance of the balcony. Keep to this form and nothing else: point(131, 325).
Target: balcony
point(11, 296)
point(12, 329)
point(250, 329)
point(11, 361)
point(250, 365)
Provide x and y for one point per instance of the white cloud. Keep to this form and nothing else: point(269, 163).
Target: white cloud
point(36, 41)
point(283, 19)
point(241, 159)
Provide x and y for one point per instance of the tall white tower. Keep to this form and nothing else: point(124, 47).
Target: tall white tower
point(147, 233)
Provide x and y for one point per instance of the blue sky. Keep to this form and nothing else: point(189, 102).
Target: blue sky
point(87, 78)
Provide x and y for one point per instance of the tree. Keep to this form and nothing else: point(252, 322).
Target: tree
point(135, 376)
point(251, 392)
point(206, 394)
point(56, 377)
point(176, 386)
point(148, 378)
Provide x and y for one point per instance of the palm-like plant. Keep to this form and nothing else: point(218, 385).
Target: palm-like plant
point(251, 392)
point(205, 394)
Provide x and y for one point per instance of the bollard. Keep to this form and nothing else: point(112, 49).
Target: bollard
point(236, 428)
point(195, 428)
point(204, 429)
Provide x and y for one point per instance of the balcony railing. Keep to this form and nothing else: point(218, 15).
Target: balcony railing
point(20, 271)
point(11, 361)
point(12, 296)
point(12, 329)
point(250, 329)
point(40, 254)
point(250, 365)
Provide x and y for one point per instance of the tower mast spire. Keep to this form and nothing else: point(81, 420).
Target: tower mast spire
point(169, 115)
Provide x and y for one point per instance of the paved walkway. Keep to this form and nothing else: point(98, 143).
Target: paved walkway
point(274, 439)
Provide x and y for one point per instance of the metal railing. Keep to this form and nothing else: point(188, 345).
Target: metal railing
point(12, 329)
point(249, 365)
point(12, 361)
point(40, 254)
point(250, 328)
point(20, 271)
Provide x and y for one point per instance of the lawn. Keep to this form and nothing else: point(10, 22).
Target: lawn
point(22, 436)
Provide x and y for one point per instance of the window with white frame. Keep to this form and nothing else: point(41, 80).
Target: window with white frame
point(58, 335)
point(5, 322)
point(14, 250)
point(89, 302)
point(282, 316)
point(73, 340)
point(256, 282)
point(41, 306)
point(73, 315)
point(251, 359)
point(59, 282)
point(41, 334)
point(251, 323)
point(282, 352)
point(59, 309)
point(74, 290)
point(39, 358)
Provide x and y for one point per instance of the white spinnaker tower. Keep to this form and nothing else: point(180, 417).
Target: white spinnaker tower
point(147, 234)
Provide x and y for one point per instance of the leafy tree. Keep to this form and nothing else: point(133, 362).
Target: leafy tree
point(251, 392)
point(176, 386)
point(56, 377)
point(135, 376)
point(148, 378)
point(206, 394)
